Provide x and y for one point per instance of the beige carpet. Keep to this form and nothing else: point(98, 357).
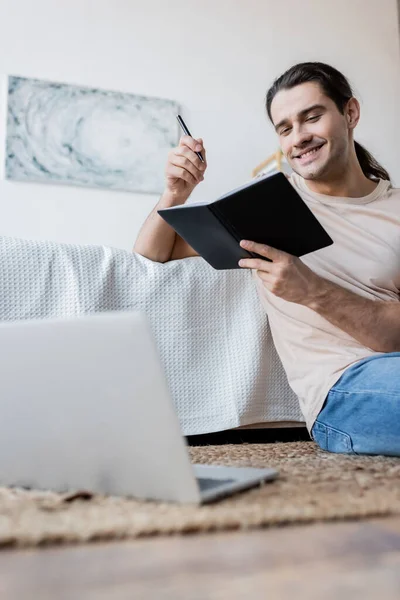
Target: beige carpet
point(313, 485)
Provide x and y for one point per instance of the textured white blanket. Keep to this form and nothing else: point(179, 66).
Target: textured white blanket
point(213, 337)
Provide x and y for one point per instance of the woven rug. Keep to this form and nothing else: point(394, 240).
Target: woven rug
point(313, 486)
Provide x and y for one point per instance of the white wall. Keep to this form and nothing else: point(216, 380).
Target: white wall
point(216, 58)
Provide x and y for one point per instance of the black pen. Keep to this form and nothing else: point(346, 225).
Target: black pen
point(186, 130)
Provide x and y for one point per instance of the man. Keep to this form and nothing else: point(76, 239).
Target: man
point(335, 313)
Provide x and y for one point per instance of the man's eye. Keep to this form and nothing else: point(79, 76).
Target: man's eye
point(287, 129)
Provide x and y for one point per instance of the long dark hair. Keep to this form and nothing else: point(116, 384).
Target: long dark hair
point(334, 85)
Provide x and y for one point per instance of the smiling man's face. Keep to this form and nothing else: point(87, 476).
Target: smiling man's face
point(308, 121)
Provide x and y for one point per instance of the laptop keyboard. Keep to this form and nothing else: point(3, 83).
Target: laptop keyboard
point(207, 483)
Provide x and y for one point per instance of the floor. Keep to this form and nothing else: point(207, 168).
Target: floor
point(324, 561)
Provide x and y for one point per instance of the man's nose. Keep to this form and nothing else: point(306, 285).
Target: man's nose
point(301, 139)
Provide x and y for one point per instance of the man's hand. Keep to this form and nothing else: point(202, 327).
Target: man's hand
point(286, 276)
point(184, 170)
point(375, 325)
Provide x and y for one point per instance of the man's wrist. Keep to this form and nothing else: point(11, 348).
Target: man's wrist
point(169, 199)
point(319, 293)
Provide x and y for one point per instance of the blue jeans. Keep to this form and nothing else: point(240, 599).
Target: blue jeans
point(361, 413)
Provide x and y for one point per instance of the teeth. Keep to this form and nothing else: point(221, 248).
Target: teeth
point(309, 152)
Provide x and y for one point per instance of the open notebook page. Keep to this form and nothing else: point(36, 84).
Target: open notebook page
point(242, 187)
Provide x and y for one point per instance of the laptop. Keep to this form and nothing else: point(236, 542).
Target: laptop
point(85, 406)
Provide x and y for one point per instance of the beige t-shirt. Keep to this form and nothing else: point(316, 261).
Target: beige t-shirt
point(365, 259)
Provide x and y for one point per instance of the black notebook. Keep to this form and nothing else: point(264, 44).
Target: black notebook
point(267, 210)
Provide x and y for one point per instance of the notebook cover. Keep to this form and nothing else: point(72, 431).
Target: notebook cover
point(268, 211)
point(204, 232)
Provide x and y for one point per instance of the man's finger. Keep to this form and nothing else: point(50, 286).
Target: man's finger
point(263, 249)
point(255, 263)
point(265, 276)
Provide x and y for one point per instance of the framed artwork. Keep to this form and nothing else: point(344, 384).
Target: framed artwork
point(67, 134)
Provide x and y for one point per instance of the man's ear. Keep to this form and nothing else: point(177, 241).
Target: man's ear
point(352, 112)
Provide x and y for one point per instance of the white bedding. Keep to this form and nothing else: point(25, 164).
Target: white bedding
point(213, 337)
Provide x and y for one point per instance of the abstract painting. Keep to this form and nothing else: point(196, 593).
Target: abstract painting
point(67, 134)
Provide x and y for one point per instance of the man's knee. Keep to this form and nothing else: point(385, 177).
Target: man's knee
point(375, 440)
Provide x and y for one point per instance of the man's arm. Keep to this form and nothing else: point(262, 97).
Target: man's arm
point(182, 249)
point(374, 323)
point(184, 171)
point(157, 240)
